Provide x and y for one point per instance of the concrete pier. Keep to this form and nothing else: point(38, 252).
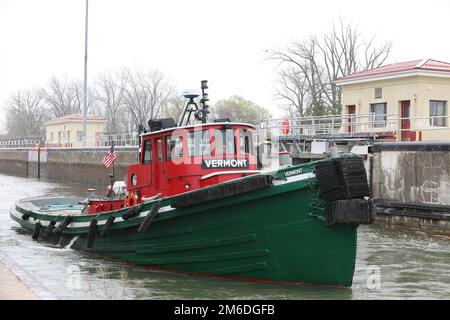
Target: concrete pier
point(411, 181)
point(11, 288)
point(412, 172)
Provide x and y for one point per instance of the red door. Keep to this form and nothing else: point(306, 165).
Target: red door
point(351, 110)
point(406, 122)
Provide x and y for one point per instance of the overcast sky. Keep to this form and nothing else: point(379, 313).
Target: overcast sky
point(221, 41)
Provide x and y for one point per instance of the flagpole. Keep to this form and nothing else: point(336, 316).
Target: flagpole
point(109, 159)
point(113, 178)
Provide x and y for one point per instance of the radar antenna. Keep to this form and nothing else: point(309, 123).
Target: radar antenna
point(200, 113)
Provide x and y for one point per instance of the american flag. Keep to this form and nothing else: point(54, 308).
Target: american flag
point(109, 157)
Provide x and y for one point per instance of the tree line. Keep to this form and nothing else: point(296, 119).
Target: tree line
point(127, 99)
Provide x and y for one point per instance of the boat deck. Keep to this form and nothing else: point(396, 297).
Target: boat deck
point(55, 206)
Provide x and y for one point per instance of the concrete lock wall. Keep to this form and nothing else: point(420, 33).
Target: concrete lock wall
point(14, 161)
point(82, 165)
point(412, 172)
point(37, 163)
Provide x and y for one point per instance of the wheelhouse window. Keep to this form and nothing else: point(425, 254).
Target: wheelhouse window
point(147, 152)
point(174, 147)
point(245, 141)
point(199, 143)
point(159, 150)
point(438, 113)
point(380, 111)
point(225, 141)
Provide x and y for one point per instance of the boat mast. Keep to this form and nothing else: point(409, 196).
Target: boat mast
point(203, 101)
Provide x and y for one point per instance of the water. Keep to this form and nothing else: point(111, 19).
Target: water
point(391, 264)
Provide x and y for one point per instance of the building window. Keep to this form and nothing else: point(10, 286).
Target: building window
point(378, 93)
point(68, 135)
point(437, 113)
point(379, 117)
point(51, 136)
point(79, 135)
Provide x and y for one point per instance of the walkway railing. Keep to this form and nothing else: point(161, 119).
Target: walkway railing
point(119, 139)
point(357, 125)
point(20, 143)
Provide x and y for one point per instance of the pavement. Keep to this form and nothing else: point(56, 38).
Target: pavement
point(12, 288)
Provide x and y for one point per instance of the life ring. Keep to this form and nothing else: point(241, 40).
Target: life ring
point(286, 126)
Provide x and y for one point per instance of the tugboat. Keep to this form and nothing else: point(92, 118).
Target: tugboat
point(198, 202)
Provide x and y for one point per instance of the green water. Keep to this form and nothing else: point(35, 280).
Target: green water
point(390, 264)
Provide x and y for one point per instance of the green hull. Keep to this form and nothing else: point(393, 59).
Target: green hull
point(273, 234)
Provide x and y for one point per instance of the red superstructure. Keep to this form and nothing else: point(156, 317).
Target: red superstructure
point(182, 159)
point(176, 159)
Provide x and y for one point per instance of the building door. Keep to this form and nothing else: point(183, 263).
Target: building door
point(351, 110)
point(406, 135)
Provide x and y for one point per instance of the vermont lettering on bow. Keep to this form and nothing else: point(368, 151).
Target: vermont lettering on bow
point(224, 163)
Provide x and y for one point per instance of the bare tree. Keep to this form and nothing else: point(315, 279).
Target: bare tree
point(110, 97)
point(310, 67)
point(64, 97)
point(59, 97)
point(145, 94)
point(26, 114)
point(293, 89)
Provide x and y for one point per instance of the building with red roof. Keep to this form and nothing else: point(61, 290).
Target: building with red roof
point(408, 100)
point(67, 131)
